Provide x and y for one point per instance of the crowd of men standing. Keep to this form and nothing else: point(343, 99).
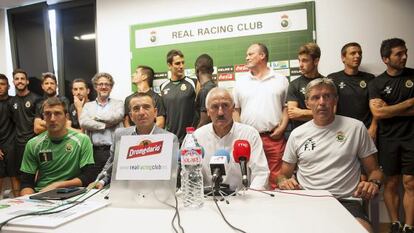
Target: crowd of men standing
point(264, 104)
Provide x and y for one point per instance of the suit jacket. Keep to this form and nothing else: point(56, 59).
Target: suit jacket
point(107, 169)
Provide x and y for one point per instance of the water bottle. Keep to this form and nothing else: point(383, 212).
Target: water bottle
point(191, 176)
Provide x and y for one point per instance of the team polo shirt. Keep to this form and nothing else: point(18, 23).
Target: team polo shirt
point(200, 102)
point(23, 110)
point(296, 92)
point(178, 98)
point(261, 101)
point(353, 95)
point(328, 156)
point(58, 159)
point(6, 123)
point(394, 90)
point(158, 104)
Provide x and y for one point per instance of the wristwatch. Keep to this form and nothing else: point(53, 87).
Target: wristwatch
point(377, 182)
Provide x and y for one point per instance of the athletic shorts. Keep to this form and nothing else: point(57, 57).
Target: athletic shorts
point(396, 157)
point(7, 164)
point(16, 161)
point(355, 208)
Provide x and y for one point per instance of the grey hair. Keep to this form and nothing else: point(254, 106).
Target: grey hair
point(97, 76)
point(214, 91)
point(319, 82)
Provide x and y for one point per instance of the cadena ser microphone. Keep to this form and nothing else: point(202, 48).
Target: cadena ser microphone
point(241, 154)
point(217, 165)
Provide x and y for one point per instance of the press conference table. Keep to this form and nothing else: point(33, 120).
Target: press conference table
point(291, 211)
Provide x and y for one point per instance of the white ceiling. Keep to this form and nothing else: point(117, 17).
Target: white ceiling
point(6, 4)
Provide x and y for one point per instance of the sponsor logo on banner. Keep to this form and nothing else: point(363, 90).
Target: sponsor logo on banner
point(144, 148)
point(225, 69)
point(241, 68)
point(226, 77)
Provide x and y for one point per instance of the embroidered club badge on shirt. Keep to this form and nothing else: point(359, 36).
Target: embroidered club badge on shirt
point(340, 137)
point(409, 84)
point(363, 84)
point(27, 104)
point(183, 87)
point(68, 147)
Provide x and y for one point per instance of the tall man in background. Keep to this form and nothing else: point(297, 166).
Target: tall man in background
point(352, 87)
point(260, 102)
point(143, 78)
point(80, 92)
point(308, 55)
point(101, 117)
point(23, 108)
point(392, 103)
point(7, 137)
point(49, 87)
point(204, 69)
point(178, 95)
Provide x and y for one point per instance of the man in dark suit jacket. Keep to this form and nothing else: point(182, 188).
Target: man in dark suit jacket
point(142, 112)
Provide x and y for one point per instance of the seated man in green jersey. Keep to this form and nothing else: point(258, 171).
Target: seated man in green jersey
point(61, 157)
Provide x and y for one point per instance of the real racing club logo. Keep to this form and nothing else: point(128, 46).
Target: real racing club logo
point(285, 21)
point(153, 36)
point(145, 148)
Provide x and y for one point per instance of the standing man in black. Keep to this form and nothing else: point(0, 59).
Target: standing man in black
point(308, 56)
point(23, 109)
point(49, 87)
point(7, 137)
point(352, 87)
point(178, 95)
point(392, 103)
point(80, 92)
point(143, 78)
point(204, 69)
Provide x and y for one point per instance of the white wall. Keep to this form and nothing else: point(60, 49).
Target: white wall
point(337, 22)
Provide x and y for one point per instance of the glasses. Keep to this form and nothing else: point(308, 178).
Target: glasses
point(103, 85)
point(324, 96)
point(48, 115)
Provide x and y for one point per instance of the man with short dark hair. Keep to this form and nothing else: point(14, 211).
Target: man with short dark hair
point(80, 92)
point(49, 87)
point(23, 108)
point(7, 137)
point(61, 157)
point(204, 69)
point(142, 111)
point(308, 56)
point(392, 103)
point(326, 152)
point(352, 87)
point(260, 102)
point(143, 78)
point(178, 95)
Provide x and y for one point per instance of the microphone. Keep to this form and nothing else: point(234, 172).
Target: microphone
point(241, 154)
point(217, 166)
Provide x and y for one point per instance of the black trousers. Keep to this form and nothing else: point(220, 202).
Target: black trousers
point(101, 155)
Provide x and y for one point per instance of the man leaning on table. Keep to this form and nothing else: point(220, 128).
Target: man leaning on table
point(327, 151)
point(59, 157)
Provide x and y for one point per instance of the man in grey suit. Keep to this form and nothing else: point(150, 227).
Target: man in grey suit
point(143, 113)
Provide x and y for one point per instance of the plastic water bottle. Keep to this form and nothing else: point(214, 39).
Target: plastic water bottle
point(191, 176)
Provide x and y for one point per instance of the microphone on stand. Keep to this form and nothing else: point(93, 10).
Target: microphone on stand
point(218, 168)
point(241, 154)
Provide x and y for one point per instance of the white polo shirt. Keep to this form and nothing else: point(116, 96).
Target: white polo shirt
point(257, 166)
point(261, 101)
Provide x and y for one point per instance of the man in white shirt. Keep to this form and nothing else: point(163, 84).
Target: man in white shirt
point(260, 102)
point(221, 134)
